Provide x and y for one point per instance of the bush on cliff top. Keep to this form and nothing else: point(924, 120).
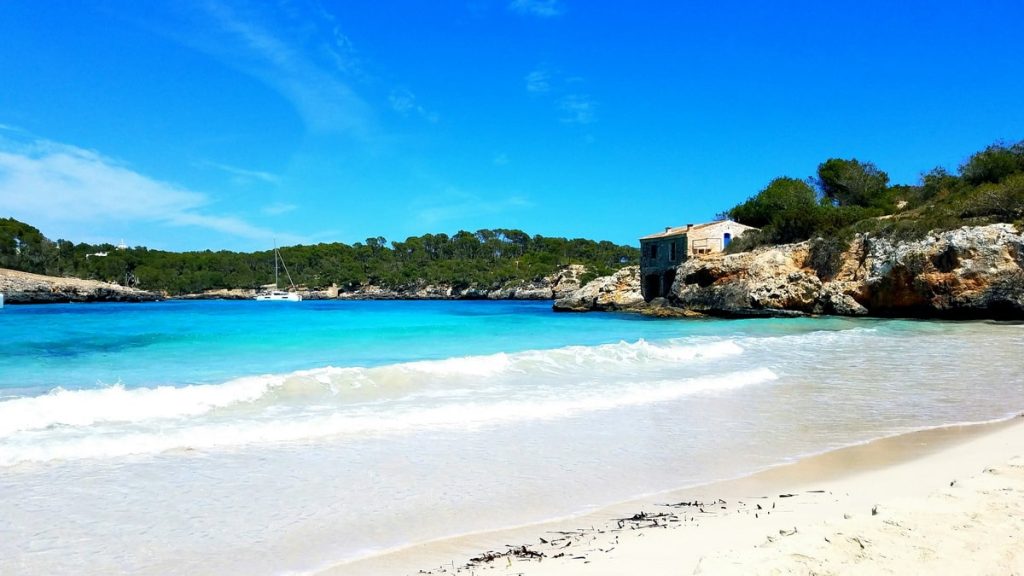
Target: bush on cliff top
point(850, 196)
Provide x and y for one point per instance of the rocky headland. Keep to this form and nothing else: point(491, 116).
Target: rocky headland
point(25, 288)
point(970, 272)
point(618, 292)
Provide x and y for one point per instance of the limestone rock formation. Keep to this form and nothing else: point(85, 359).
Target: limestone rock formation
point(971, 272)
point(25, 288)
point(743, 284)
point(620, 291)
point(967, 272)
point(566, 280)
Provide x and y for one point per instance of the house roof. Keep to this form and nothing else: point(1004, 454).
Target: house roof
point(682, 230)
point(668, 233)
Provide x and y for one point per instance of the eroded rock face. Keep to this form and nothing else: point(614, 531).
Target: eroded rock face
point(774, 279)
point(971, 272)
point(967, 272)
point(25, 288)
point(620, 291)
point(567, 280)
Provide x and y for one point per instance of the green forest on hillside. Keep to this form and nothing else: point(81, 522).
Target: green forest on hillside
point(484, 259)
point(848, 196)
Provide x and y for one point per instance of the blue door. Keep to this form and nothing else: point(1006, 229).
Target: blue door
point(726, 239)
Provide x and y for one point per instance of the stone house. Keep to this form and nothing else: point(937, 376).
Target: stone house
point(663, 252)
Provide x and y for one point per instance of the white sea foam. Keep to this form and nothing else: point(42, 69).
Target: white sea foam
point(352, 401)
point(83, 408)
point(466, 366)
point(118, 404)
point(360, 422)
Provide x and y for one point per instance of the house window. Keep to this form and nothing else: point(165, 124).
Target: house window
point(672, 252)
point(654, 250)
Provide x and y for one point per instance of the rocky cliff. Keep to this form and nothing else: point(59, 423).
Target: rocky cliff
point(24, 288)
point(971, 272)
point(620, 291)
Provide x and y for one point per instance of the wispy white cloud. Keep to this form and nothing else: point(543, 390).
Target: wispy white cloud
point(9, 128)
point(340, 49)
point(542, 8)
point(573, 106)
point(54, 185)
point(577, 109)
point(404, 102)
point(500, 159)
point(454, 204)
point(343, 52)
point(290, 64)
point(538, 81)
point(243, 174)
point(224, 224)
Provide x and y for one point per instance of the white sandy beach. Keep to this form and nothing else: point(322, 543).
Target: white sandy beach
point(943, 501)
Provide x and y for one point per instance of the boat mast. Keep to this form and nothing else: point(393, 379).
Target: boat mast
point(277, 284)
point(291, 283)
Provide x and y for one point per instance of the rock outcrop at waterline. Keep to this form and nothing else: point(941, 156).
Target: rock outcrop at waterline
point(971, 272)
point(25, 288)
point(620, 291)
point(968, 272)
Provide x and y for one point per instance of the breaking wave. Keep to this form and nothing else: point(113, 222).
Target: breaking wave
point(453, 393)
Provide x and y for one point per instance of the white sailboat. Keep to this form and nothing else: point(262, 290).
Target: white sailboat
point(277, 295)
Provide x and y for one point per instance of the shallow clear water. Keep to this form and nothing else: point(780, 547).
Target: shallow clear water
point(264, 438)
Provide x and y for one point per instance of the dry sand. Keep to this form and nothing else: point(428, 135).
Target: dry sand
point(944, 501)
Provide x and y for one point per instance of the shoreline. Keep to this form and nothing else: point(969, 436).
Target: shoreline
point(653, 310)
point(731, 518)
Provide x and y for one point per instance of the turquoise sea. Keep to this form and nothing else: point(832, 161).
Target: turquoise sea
point(281, 438)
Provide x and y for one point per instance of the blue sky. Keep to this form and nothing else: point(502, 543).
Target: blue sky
point(227, 124)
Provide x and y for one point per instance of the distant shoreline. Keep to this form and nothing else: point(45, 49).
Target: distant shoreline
point(28, 288)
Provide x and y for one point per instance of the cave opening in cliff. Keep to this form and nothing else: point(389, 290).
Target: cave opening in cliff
point(667, 280)
point(652, 287)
